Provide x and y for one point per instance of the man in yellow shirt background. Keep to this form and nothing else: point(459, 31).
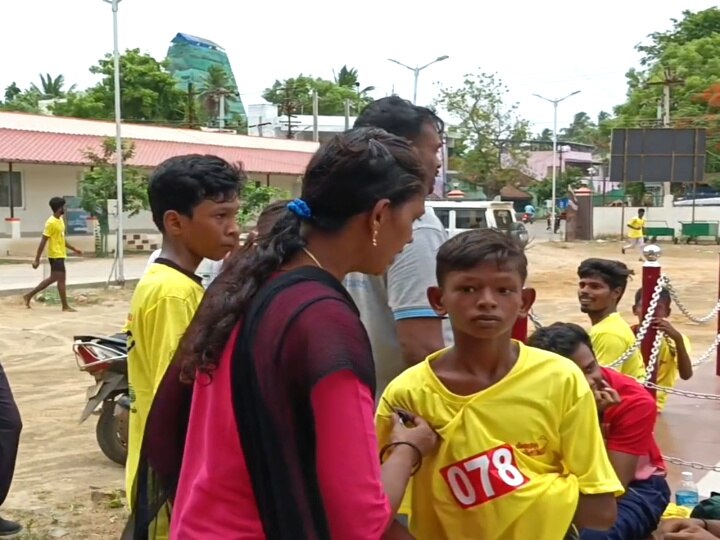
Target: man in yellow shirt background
point(521, 453)
point(636, 233)
point(601, 286)
point(674, 356)
point(54, 237)
point(194, 202)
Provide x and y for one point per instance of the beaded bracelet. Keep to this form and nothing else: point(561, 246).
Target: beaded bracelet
point(390, 446)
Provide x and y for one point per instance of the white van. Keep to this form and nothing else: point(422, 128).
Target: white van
point(460, 215)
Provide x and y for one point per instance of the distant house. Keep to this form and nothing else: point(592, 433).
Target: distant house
point(42, 156)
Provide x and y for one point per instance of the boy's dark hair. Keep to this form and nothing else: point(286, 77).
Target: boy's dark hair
point(399, 117)
point(56, 203)
point(346, 177)
point(181, 183)
point(614, 274)
point(560, 338)
point(470, 248)
point(664, 295)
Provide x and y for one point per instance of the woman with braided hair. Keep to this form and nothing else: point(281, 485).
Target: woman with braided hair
point(279, 440)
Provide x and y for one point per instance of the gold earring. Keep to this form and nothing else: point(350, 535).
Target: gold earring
point(374, 237)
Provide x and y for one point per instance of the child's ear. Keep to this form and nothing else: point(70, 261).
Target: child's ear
point(434, 295)
point(528, 295)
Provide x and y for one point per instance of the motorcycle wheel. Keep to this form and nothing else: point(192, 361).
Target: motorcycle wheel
point(111, 433)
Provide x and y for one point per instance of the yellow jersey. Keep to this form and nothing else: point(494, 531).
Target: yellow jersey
point(635, 227)
point(513, 459)
point(162, 306)
point(668, 372)
point(610, 338)
point(54, 231)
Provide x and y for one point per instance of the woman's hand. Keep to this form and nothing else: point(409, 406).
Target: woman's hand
point(416, 431)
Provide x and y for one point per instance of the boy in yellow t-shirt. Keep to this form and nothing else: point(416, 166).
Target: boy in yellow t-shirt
point(521, 454)
point(636, 233)
point(601, 286)
point(674, 356)
point(194, 201)
point(54, 237)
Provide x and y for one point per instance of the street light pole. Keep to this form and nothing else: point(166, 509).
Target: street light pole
point(553, 204)
point(416, 71)
point(120, 271)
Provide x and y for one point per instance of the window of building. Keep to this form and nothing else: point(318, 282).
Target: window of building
point(10, 181)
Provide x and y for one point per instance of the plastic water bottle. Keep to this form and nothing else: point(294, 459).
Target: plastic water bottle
point(687, 495)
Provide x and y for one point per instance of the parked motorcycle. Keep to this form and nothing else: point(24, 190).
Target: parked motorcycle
point(105, 358)
point(528, 218)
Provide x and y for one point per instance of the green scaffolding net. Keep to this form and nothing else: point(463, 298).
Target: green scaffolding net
point(189, 59)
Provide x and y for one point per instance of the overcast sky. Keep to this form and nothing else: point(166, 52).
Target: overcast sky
point(549, 48)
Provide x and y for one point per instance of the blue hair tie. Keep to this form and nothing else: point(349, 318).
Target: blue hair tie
point(300, 209)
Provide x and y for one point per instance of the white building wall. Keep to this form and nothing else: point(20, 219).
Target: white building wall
point(42, 182)
point(610, 220)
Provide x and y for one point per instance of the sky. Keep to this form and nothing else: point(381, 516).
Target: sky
point(547, 48)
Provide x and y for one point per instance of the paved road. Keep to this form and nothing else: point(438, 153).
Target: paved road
point(80, 271)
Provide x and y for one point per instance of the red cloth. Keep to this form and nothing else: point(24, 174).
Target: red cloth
point(628, 427)
point(215, 500)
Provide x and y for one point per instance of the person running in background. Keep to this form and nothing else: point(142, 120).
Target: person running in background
point(521, 454)
point(675, 348)
point(280, 441)
point(193, 200)
point(402, 326)
point(636, 234)
point(627, 418)
point(54, 237)
point(601, 286)
point(10, 428)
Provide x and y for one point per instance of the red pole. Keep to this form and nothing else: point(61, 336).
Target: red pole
point(520, 330)
point(650, 275)
point(717, 351)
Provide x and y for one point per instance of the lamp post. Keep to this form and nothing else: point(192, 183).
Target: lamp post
point(417, 69)
point(554, 153)
point(120, 271)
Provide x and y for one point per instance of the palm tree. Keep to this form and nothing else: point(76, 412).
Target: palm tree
point(51, 87)
point(348, 77)
point(216, 91)
point(12, 91)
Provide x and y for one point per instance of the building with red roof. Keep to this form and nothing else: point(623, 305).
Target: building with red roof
point(43, 156)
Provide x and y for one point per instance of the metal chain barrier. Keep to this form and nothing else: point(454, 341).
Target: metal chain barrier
point(685, 311)
point(691, 464)
point(707, 355)
point(644, 326)
point(654, 355)
point(535, 320)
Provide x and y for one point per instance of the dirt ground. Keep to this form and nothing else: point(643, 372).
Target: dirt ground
point(65, 488)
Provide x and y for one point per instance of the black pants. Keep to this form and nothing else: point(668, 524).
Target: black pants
point(10, 428)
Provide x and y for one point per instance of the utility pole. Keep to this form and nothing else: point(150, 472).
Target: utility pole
point(316, 134)
point(670, 80)
point(347, 114)
point(289, 108)
point(192, 119)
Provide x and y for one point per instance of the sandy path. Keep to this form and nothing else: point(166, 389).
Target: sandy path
point(65, 488)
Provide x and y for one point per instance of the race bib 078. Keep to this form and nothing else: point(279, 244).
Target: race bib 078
point(484, 477)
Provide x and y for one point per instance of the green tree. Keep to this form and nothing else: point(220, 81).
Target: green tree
point(690, 53)
point(254, 198)
point(12, 91)
point(99, 184)
point(567, 180)
point(692, 26)
point(18, 100)
point(51, 87)
point(294, 95)
point(217, 88)
point(490, 131)
point(148, 92)
point(545, 135)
